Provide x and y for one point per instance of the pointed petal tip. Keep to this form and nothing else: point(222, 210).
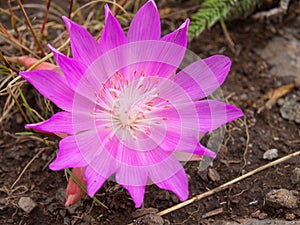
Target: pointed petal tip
point(67, 21)
point(107, 11)
point(136, 193)
point(51, 48)
point(210, 154)
point(53, 166)
point(153, 3)
point(233, 112)
point(225, 60)
point(185, 23)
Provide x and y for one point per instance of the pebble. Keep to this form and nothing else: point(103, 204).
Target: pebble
point(290, 216)
point(147, 216)
point(295, 177)
point(282, 198)
point(213, 174)
point(150, 219)
point(291, 108)
point(271, 154)
point(3, 203)
point(260, 215)
point(26, 204)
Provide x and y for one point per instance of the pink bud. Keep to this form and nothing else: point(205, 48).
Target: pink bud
point(74, 192)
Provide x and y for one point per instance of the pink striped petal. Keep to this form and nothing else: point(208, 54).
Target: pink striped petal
point(94, 181)
point(177, 183)
point(113, 34)
point(179, 36)
point(213, 114)
point(136, 193)
point(68, 155)
point(146, 24)
point(52, 85)
point(84, 46)
point(60, 122)
point(203, 77)
point(164, 169)
point(73, 69)
point(134, 179)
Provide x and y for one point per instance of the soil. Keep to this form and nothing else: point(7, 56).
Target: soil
point(248, 86)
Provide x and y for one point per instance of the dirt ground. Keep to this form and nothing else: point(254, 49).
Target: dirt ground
point(249, 86)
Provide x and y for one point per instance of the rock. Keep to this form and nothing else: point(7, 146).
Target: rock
point(291, 108)
point(258, 214)
point(142, 212)
point(150, 219)
point(3, 203)
point(147, 216)
point(295, 177)
point(213, 174)
point(290, 216)
point(26, 204)
point(271, 154)
point(280, 52)
point(282, 198)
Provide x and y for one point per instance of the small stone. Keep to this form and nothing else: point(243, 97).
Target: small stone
point(262, 216)
point(290, 216)
point(258, 214)
point(295, 177)
point(150, 219)
point(142, 212)
point(87, 218)
point(147, 216)
point(280, 101)
point(3, 203)
point(19, 119)
point(27, 204)
point(271, 154)
point(174, 199)
point(291, 109)
point(66, 220)
point(213, 174)
point(282, 198)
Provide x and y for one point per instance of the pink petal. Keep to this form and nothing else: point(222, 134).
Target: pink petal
point(136, 193)
point(212, 114)
point(134, 179)
point(132, 175)
point(177, 183)
point(52, 85)
point(73, 69)
point(153, 58)
point(164, 169)
point(146, 24)
point(60, 122)
point(113, 34)
point(94, 181)
point(160, 59)
point(84, 46)
point(132, 154)
point(203, 77)
point(179, 36)
point(68, 155)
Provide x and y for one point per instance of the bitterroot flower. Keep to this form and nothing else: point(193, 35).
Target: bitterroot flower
point(125, 110)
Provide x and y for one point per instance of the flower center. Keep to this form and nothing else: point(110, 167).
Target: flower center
point(130, 105)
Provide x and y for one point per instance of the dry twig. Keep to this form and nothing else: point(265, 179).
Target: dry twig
point(226, 185)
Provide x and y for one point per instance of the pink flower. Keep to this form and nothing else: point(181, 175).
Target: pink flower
point(125, 110)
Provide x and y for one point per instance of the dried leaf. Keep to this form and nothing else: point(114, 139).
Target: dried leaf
point(274, 95)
